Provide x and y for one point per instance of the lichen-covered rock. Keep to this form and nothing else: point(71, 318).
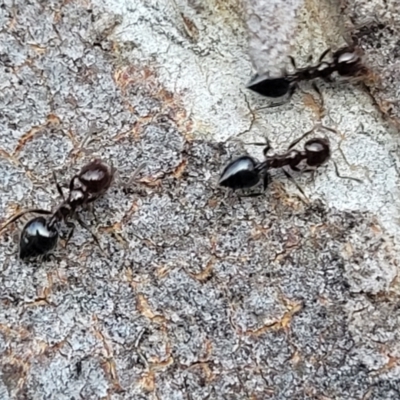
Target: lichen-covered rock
point(194, 293)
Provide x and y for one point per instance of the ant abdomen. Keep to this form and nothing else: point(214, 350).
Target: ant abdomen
point(240, 174)
point(269, 87)
point(37, 238)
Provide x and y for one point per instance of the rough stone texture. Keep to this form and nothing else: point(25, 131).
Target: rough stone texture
point(195, 294)
point(271, 28)
point(376, 27)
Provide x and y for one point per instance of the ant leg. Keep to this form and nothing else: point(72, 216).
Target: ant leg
point(328, 79)
point(300, 189)
point(71, 227)
point(313, 174)
point(22, 213)
point(291, 145)
point(113, 170)
point(345, 177)
point(324, 54)
point(84, 225)
point(266, 149)
point(266, 181)
point(47, 257)
point(59, 188)
point(90, 208)
point(293, 62)
point(252, 195)
point(133, 176)
point(273, 105)
point(229, 198)
point(254, 143)
point(316, 88)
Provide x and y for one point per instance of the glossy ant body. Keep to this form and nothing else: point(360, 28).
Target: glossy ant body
point(345, 62)
point(245, 172)
point(40, 235)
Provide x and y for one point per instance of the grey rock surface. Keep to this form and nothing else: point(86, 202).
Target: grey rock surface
point(195, 294)
point(376, 27)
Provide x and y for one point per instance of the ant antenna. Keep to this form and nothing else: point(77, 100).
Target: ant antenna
point(345, 177)
point(306, 200)
point(135, 173)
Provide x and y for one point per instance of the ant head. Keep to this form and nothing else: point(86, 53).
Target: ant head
point(269, 87)
point(241, 173)
point(348, 61)
point(318, 151)
point(37, 238)
point(96, 177)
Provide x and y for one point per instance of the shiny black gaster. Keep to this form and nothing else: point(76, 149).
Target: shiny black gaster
point(37, 238)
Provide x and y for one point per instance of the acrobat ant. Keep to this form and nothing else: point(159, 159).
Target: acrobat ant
point(40, 235)
point(345, 62)
point(245, 172)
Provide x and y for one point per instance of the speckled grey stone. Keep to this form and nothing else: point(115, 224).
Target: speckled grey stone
point(194, 294)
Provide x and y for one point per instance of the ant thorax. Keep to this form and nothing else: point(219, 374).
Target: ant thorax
point(61, 213)
point(301, 166)
point(76, 184)
point(323, 66)
point(292, 154)
point(77, 197)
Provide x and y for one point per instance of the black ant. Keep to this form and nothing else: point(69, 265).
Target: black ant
point(245, 172)
point(40, 235)
point(346, 62)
